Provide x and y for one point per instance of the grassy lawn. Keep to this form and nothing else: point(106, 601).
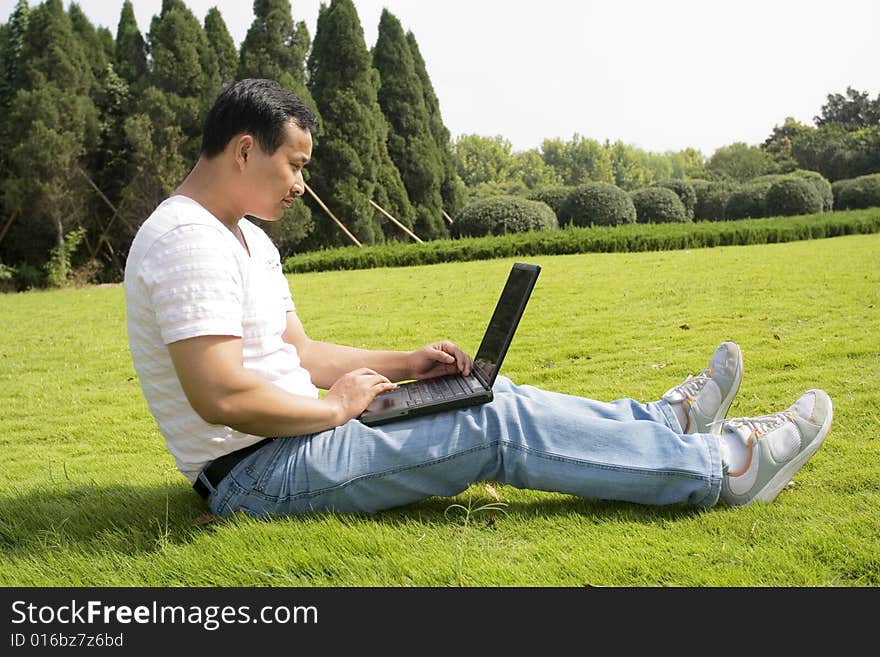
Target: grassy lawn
point(90, 497)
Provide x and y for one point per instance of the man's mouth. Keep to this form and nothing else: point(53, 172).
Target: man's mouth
point(287, 202)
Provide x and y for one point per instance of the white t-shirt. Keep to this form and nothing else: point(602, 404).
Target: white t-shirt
point(187, 276)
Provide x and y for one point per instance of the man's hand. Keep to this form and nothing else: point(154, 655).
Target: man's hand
point(439, 359)
point(353, 392)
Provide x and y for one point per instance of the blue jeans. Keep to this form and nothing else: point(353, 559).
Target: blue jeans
point(525, 437)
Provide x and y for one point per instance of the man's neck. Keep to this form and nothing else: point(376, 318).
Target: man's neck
point(208, 187)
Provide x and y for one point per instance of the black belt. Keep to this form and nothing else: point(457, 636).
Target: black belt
point(219, 468)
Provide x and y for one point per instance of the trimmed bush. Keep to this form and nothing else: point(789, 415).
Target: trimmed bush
point(552, 196)
point(792, 195)
point(747, 202)
point(821, 184)
point(658, 205)
point(857, 193)
point(597, 204)
point(685, 192)
point(711, 197)
point(500, 215)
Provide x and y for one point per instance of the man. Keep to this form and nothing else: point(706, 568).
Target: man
point(233, 379)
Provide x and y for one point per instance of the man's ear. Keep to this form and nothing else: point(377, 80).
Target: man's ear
point(244, 145)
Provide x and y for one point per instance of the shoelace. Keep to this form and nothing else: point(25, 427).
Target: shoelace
point(758, 425)
point(693, 384)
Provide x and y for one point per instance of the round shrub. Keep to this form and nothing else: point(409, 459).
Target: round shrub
point(599, 204)
point(711, 196)
point(820, 184)
point(792, 196)
point(857, 193)
point(747, 202)
point(499, 215)
point(552, 196)
point(685, 192)
point(656, 205)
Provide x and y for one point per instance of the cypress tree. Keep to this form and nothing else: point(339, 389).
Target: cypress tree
point(410, 143)
point(107, 43)
point(182, 61)
point(452, 188)
point(184, 69)
point(11, 49)
point(224, 47)
point(89, 39)
point(351, 165)
point(275, 47)
point(131, 51)
point(51, 124)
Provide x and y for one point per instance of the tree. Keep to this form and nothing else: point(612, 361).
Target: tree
point(629, 165)
point(780, 143)
point(482, 159)
point(578, 161)
point(224, 47)
point(51, 124)
point(90, 40)
point(276, 48)
point(12, 46)
point(130, 61)
point(451, 186)
point(184, 69)
point(837, 153)
point(410, 143)
point(687, 164)
point(351, 165)
point(489, 167)
point(852, 112)
point(740, 162)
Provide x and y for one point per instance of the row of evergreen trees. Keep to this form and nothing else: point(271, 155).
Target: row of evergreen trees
point(98, 128)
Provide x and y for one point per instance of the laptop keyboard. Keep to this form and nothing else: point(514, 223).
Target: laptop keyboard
point(439, 389)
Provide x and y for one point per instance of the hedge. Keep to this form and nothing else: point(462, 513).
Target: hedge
point(500, 215)
point(596, 239)
point(685, 192)
point(711, 197)
point(792, 196)
point(597, 204)
point(748, 201)
point(657, 205)
point(857, 193)
point(552, 196)
point(821, 184)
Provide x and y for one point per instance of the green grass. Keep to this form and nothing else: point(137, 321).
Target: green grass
point(90, 497)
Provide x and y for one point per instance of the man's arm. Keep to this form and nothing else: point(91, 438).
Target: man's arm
point(327, 362)
point(223, 392)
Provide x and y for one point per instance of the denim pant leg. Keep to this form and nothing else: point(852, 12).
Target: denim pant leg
point(526, 437)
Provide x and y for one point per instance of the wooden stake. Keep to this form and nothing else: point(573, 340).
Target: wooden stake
point(327, 210)
point(396, 222)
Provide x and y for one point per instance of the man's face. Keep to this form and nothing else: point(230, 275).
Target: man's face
point(276, 180)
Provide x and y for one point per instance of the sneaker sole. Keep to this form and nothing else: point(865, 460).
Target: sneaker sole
point(714, 427)
point(780, 480)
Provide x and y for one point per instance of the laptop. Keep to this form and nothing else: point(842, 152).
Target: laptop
point(443, 393)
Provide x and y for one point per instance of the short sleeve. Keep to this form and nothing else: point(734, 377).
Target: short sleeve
point(195, 284)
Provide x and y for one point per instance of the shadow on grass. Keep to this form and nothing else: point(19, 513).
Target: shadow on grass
point(130, 519)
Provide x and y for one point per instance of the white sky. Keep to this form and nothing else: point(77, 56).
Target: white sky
point(659, 75)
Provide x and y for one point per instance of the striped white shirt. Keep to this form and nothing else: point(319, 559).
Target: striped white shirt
point(187, 276)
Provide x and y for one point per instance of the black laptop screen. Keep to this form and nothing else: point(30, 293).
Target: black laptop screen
point(504, 320)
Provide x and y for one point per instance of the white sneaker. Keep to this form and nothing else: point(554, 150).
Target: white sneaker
point(706, 397)
point(778, 445)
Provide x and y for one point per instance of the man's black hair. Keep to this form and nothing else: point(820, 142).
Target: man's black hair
point(255, 106)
